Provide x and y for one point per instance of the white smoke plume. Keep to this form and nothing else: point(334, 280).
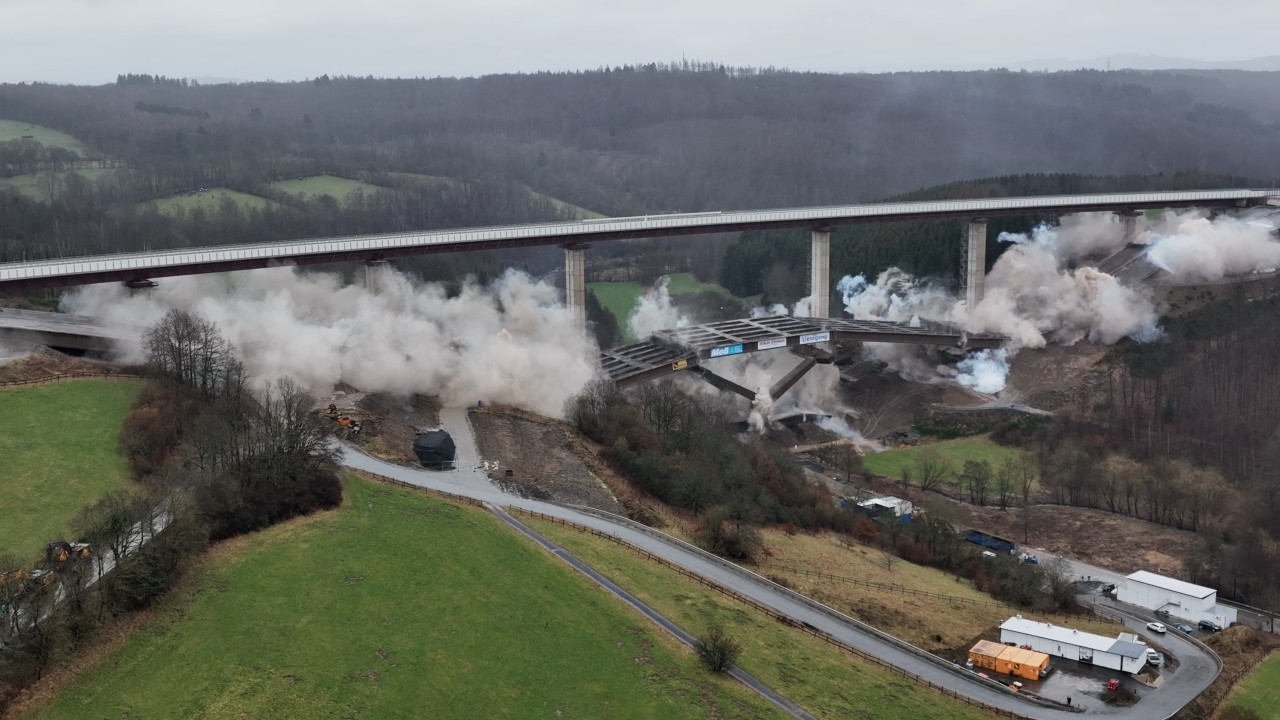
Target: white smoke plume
point(510, 342)
point(653, 311)
point(985, 371)
point(1193, 248)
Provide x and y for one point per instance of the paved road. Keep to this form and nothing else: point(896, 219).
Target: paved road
point(658, 619)
point(1158, 705)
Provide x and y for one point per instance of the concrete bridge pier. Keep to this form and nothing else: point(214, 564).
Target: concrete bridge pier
point(820, 273)
point(373, 272)
point(1129, 224)
point(575, 281)
point(975, 272)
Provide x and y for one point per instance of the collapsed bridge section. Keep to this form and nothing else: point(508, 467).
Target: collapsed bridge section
point(686, 349)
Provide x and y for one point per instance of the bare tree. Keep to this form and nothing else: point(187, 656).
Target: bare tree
point(931, 469)
point(188, 350)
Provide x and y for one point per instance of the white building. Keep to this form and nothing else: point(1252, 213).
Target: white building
point(1179, 599)
point(888, 505)
point(1114, 653)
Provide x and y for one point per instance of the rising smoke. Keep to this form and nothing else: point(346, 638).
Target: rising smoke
point(512, 341)
point(1042, 289)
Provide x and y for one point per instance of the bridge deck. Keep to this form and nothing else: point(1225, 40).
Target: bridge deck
point(672, 351)
point(190, 261)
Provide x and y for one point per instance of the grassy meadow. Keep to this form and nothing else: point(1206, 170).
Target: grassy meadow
point(60, 452)
point(892, 463)
point(821, 678)
point(396, 605)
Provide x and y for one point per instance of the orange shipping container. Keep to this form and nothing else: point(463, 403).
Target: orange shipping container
point(1009, 660)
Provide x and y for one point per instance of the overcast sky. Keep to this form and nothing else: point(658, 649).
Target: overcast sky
point(90, 41)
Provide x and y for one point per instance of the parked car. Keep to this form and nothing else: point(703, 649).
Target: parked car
point(1156, 627)
point(1184, 628)
point(1154, 658)
point(1162, 613)
point(1108, 588)
point(1209, 625)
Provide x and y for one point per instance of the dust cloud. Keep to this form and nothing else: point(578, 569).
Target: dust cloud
point(512, 341)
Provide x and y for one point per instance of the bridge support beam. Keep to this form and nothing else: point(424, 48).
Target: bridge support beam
point(1129, 225)
point(975, 272)
point(820, 273)
point(575, 281)
point(722, 383)
point(790, 379)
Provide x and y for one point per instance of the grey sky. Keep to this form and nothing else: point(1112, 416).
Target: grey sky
point(90, 41)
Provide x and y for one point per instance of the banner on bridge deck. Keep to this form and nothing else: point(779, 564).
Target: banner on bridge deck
point(815, 338)
point(725, 350)
point(771, 343)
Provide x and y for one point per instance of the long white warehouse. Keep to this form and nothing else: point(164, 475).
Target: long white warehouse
point(1180, 599)
point(1113, 653)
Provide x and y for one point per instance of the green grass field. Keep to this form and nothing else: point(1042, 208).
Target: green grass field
point(1260, 691)
point(15, 130)
point(395, 606)
point(60, 452)
point(209, 200)
point(31, 185)
point(331, 185)
point(620, 297)
point(891, 463)
point(575, 212)
point(825, 680)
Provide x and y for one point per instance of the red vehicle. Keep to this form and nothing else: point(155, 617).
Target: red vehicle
point(1113, 685)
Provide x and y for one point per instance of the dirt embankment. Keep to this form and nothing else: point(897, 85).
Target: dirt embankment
point(542, 458)
point(1241, 649)
point(48, 363)
point(390, 424)
point(1119, 543)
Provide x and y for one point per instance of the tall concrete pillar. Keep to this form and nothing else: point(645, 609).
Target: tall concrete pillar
point(575, 280)
point(820, 273)
point(1129, 222)
point(975, 272)
point(373, 270)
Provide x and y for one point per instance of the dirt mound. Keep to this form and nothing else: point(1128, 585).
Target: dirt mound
point(389, 424)
point(46, 363)
point(539, 456)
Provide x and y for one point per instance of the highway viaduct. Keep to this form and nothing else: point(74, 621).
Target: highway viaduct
point(140, 269)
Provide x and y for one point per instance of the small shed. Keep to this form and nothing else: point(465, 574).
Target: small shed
point(435, 450)
point(1178, 598)
point(1112, 653)
point(1009, 660)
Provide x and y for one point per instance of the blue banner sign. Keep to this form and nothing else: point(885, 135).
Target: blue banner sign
point(724, 350)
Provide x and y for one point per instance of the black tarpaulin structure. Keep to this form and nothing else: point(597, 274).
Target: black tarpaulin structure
point(435, 450)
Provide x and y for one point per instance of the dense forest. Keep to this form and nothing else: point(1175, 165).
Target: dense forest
point(617, 141)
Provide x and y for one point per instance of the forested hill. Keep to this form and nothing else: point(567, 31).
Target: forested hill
point(154, 162)
point(657, 138)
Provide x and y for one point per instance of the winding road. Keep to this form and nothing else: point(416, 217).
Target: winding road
point(1196, 671)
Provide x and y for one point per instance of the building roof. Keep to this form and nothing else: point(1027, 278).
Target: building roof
point(986, 647)
point(1022, 656)
point(1067, 636)
point(1124, 648)
point(1171, 584)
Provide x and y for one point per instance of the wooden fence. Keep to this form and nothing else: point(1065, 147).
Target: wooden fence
point(48, 379)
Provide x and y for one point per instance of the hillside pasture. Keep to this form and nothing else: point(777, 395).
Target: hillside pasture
point(894, 462)
point(396, 605)
point(825, 680)
point(209, 200)
point(48, 137)
point(331, 185)
point(60, 451)
point(37, 185)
